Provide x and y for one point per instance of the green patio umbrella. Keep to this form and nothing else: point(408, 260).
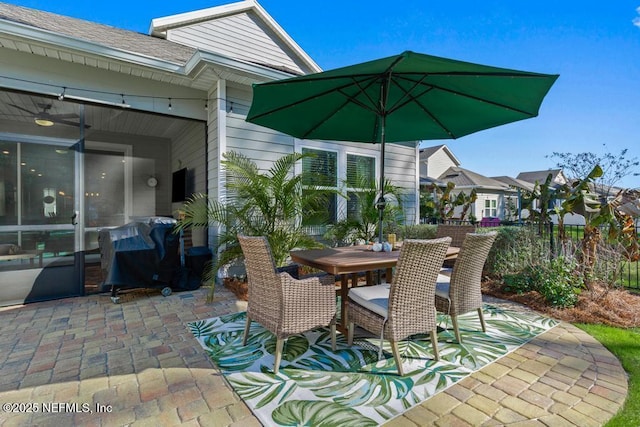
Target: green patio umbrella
point(399, 99)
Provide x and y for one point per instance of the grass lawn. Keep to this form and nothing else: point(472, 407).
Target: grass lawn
point(625, 345)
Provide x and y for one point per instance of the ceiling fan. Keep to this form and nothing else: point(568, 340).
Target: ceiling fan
point(45, 118)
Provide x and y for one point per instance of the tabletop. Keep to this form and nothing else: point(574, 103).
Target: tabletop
point(352, 259)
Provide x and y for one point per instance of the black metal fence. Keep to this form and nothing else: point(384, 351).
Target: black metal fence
point(629, 274)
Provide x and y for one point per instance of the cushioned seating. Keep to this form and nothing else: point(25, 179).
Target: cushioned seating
point(283, 305)
point(375, 298)
point(461, 292)
point(409, 307)
point(442, 286)
point(9, 249)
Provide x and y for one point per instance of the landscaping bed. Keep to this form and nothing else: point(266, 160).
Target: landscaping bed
point(613, 307)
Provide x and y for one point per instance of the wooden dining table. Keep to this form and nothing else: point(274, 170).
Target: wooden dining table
point(350, 261)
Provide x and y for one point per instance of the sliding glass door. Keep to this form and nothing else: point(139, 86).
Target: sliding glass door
point(38, 219)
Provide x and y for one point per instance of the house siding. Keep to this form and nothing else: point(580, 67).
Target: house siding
point(400, 168)
point(264, 146)
point(242, 36)
point(436, 164)
point(187, 151)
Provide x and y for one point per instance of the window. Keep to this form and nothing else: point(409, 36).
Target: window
point(324, 169)
point(490, 208)
point(360, 175)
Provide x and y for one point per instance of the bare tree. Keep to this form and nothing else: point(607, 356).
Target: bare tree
point(614, 168)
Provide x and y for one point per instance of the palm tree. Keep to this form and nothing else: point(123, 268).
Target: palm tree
point(363, 220)
point(267, 204)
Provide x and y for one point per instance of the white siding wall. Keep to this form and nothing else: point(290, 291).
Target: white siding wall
point(264, 146)
point(188, 151)
point(400, 168)
point(437, 164)
point(241, 36)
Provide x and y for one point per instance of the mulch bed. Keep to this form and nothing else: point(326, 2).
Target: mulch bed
point(613, 307)
point(238, 287)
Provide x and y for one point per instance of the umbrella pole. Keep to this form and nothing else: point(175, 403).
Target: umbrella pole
point(381, 203)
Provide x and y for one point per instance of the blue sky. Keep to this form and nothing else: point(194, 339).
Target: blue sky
point(593, 45)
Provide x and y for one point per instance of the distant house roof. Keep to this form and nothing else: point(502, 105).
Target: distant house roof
point(105, 35)
point(427, 152)
point(557, 176)
point(514, 182)
point(466, 178)
point(426, 181)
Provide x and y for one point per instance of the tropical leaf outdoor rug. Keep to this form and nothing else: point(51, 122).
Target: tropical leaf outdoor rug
point(350, 387)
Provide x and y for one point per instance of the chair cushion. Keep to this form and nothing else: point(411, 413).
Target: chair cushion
point(374, 298)
point(442, 286)
point(9, 249)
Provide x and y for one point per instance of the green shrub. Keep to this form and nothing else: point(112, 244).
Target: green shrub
point(559, 282)
point(418, 231)
point(515, 249)
point(518, 283)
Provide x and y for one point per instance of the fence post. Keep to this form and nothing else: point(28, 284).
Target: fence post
point(552, 245)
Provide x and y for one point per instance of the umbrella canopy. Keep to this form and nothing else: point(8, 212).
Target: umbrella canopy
point(403, 98)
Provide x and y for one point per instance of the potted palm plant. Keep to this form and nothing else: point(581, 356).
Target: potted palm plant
point(258, 203)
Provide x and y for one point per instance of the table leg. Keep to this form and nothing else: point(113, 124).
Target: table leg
point(344, 292)
point(369, 276)
point(389, 275)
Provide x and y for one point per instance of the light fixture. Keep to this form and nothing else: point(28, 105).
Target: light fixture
point(170, 107)
point(61, 96)
point(43, 121)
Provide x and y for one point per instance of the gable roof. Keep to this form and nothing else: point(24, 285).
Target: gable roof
point(160, 27)
point(514, 182)
point(465, 178)
point(427, 152)
point(557, 176)
point(86, 43)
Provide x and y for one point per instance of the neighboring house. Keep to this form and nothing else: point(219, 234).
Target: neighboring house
point(99, 125)
point(496, 197)
point(435, 160)
point(557, 177)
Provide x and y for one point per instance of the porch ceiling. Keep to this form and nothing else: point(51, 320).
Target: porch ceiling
point(14, 117)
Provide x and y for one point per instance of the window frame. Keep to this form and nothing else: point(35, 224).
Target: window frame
point(342, 151)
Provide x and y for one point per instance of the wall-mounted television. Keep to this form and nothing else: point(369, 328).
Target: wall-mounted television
point(179, 190)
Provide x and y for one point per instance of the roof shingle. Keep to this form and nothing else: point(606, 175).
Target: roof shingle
point(105, 35)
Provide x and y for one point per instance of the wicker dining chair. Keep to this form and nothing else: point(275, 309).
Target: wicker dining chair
point(457, 234)
point(461, 292)
point(406, 306)
point(284, 305)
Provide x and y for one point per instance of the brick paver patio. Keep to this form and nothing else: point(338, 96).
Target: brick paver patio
point(95, 363)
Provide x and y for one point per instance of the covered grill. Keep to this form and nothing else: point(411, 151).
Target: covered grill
point(142, 254)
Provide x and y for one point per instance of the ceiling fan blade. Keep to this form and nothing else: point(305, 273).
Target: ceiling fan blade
point(68, 123)
point(23, 109)
point(64, 116)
